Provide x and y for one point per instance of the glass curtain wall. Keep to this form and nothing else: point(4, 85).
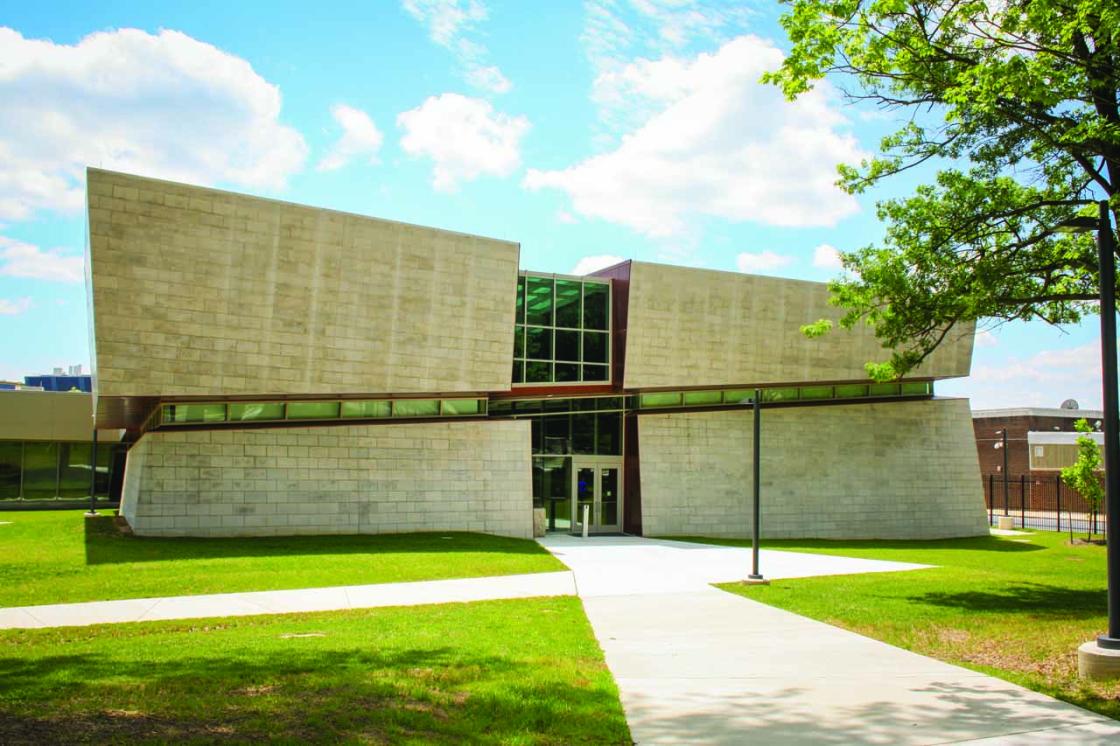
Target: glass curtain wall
point(31, 470)
point(562, 332)
point(555, 440)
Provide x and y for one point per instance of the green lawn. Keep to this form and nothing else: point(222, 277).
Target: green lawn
point(60, 556)
point(510, 672)
point(1014, 607)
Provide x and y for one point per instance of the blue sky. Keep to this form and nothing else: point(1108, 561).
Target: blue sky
point(584, 131)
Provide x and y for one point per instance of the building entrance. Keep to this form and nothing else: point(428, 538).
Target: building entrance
point(596, 494)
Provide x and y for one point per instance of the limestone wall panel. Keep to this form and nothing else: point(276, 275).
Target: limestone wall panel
point(202, 292)
point(901, 470)
point(443, 476)
point(696, 327)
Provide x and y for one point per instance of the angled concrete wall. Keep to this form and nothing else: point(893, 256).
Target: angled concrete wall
point(202, 292)
point(454, 476)
point(902, 470)
point(697, 327)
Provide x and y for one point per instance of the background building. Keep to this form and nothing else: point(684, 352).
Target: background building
point(72, 380)
point(285, 369)
point(46, 451)
point(1038, 439)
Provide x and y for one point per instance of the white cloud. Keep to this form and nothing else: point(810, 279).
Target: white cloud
point(464, 137)
point(360, 138)
point(14, 307)
point(1048, 366)
point(19, 259)
point(826, 256)
point(589, 264)
point(1042, 379)
point(453, 25)
point(163, 105)
point(721, 145)
point(489, 79)
point(616, 33)
point(985, 338)
point(762, 263)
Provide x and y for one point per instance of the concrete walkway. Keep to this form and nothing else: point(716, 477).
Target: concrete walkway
point(696, 665)
point(284, 602)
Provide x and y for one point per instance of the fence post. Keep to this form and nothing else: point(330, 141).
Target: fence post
point(1022, 501)
point(1058, 492)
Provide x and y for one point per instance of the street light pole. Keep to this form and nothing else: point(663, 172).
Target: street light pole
point(756, 576)
point(1006, 489)
point(1106, 253)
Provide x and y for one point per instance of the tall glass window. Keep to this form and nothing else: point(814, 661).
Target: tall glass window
point(74, 469)
point(562, 332)
point(40, 471)
point(11, 469)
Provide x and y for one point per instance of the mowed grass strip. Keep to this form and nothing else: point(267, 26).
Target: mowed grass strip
point(501, 672)
point(1013, 607)
point(62, 557)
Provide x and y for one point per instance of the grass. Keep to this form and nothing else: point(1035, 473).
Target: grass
point(493, 672)
point(1015, 607)
point(62, 557)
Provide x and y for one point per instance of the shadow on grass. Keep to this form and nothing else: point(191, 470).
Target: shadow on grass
point(432, 695)
point(1036, 599)
point(104, 544)
point(973, 544)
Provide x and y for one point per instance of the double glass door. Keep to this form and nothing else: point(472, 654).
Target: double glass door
point(597, 493)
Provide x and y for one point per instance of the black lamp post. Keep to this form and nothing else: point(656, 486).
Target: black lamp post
point(92, 512)
point(756, 576)
point(1106, 256)
point(1003, 444)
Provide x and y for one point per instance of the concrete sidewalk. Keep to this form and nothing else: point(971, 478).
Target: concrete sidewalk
point(696, 665)
point(288, 601)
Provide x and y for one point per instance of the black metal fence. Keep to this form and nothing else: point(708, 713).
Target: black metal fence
point(1042, 502)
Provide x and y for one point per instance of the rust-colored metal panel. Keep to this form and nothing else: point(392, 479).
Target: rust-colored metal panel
point(632, 482)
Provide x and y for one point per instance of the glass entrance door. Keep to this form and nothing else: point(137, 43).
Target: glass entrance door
point(597, 488)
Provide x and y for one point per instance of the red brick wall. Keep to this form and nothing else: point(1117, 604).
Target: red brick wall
point(1018, 455)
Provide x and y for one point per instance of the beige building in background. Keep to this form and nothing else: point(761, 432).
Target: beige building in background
point(284, 369)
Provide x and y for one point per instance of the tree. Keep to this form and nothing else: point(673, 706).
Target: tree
point(1084, 475)
point(1016, 104)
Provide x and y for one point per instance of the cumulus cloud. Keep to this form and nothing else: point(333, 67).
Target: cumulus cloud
point(163, 105)
point(826, 256)
point(20, 259)
point(618, 32)
point(762, 262)
point(464, 137)
point(721, 145)
point(453, 25)
point(14, 307)
point(360, 138)
point(1043, 379)
point(589, 264)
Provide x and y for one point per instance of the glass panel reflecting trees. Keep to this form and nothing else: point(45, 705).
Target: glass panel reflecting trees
point(562, 331)
point(40, 471)
point(32, 470)
point(11, 469)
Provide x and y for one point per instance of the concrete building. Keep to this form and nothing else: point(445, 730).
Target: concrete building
point(47, 451)
point(284, 369)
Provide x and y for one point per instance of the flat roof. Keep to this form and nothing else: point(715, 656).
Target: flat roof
point(1050, 438)
point(1037, 412)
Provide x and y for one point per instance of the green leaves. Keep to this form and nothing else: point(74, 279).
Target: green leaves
point(1017, 104)
point(1085, 474)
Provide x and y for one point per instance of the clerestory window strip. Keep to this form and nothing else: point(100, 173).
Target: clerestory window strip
point(244, 412)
